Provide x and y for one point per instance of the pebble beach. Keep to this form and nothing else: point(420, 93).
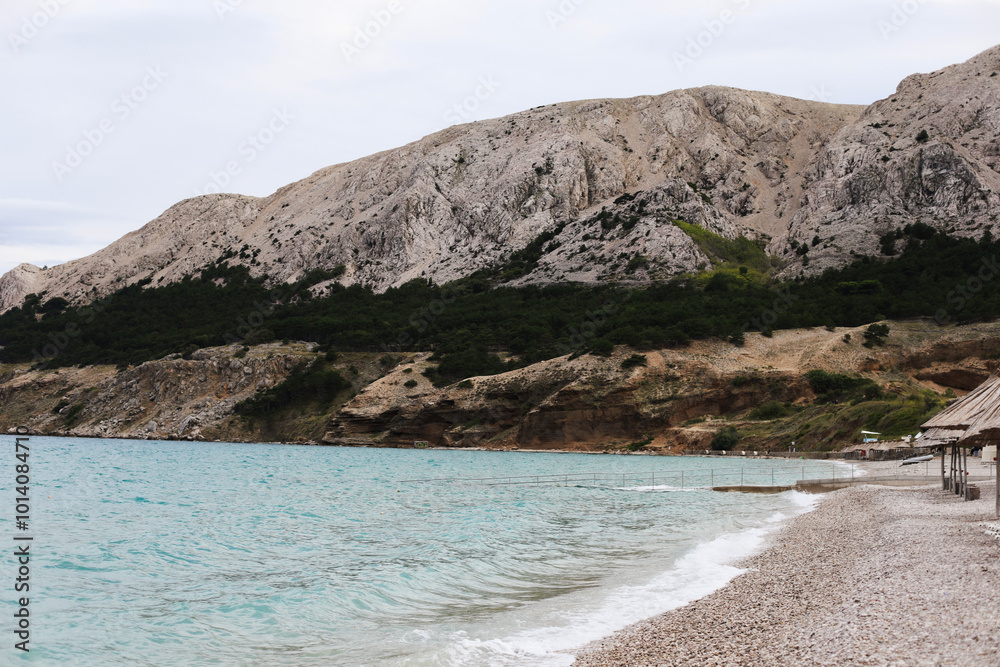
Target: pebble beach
point(873, 576)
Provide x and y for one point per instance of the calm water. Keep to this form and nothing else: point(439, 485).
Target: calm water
point(156, 553)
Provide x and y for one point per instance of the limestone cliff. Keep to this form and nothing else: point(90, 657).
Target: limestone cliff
point(929, 153)
point(593, 402)
point(466, 197)
point(802, 175)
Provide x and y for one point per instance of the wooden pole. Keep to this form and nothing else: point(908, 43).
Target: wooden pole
point(944, 480)
point(954, 470)
point(961, 471)
point(958, 457)
point(965, 472)
point(958, 471)
point(951, 468)
point(958, 489)
point(948, 481)
point(950, 459)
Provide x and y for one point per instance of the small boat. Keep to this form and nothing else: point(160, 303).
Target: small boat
point(917, 459)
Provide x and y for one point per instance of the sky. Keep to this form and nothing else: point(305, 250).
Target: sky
point(114, 110)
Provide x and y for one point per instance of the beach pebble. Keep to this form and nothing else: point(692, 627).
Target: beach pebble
point(874, 576)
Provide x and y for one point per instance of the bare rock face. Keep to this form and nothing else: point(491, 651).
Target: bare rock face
point(189, 236)
point(467, 197)
point(586, 403)
point(165, 399)
point(17, 283)
point(795, 173)
point(955, 378)
point(930, 153)
point(583, 403)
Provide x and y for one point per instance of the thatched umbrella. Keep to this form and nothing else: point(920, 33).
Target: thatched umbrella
point(966, 412)
point(972, 421)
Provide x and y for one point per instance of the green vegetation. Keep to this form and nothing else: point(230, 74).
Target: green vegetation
point(771, 411)
point(521, 262)
point(73, 415)
point(601, 347)
point(478, 326)
point(730, 253)
point(826, 425)
point(636, 263)
point(639, 446)
point(259, 337)
point(634, 361)
point(466, 363)
point(834, 387)
point(310, 383)
point(726, 439)
point(875, 335)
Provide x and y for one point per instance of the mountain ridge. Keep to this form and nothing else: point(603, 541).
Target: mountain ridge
point(816, 183)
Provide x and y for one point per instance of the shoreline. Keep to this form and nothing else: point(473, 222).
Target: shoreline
point(838, 455)
point(872, 576)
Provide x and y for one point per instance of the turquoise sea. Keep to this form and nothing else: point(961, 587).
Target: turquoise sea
point(164, 553)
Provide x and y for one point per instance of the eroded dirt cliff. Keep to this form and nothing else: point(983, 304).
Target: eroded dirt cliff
point(675, 402)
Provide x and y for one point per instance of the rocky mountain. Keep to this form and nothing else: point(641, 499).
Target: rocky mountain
point(929, 153)
point(817, 183)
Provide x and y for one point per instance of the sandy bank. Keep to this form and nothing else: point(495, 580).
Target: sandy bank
point(873, 576)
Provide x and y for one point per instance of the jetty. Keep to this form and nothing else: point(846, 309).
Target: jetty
point(810, 477)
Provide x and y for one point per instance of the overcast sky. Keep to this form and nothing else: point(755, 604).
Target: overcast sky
point(114, 110)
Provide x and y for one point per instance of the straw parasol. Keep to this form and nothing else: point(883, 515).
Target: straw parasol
point(976, 413)
point(973, 421)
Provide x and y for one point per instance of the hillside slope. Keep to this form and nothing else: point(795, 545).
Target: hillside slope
point(928, 153)
point(588, 403)
point(808, 178)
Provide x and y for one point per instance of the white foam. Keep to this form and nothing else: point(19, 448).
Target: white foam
point(703, 570)
point(664, 488)
point(858, 470)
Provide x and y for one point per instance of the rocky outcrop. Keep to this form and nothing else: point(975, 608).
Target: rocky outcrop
point(189, 236)
point(805, 176)
point(467, 197)
point(593, 403)
point(168, 399)
point(929, 153)
point(17, 283)
point(955, 378)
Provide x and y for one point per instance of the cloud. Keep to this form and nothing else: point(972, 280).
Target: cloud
point(49, 233)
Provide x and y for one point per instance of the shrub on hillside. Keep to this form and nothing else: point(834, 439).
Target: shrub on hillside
point(769, 411)
point(601, 348)
point(634, 361)
point(259, 337)
point(726, 439)
point(308, 383)
point(876, 335)
point(836, 387)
